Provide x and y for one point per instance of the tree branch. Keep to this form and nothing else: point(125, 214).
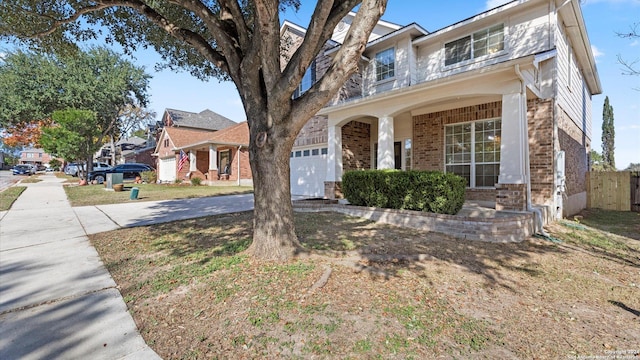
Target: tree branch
point(318, 33)
point(344, 63)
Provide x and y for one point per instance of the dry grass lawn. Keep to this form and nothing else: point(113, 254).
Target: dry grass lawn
point(391, 292)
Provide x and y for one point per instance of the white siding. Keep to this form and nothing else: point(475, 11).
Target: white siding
point(532, 26)
point(404, 61)
point(572, 92)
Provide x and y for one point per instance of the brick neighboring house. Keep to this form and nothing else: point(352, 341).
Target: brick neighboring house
point(502, 98)
point(36, 157)
point(211, 155)
point(197, 124)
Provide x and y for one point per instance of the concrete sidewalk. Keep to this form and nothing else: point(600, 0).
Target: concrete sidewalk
point(99, 218)
point(57, 301)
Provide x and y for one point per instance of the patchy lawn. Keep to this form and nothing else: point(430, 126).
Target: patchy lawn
point(390, 293)
point(9, 196)
point(98, 195)
point(31, 180)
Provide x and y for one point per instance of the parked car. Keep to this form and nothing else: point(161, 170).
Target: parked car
point(23, 169)
point(128, 171)
point(72, 168)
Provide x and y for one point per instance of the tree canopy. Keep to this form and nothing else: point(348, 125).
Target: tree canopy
point(72, 134)
point(34, 85)
point(228, 39)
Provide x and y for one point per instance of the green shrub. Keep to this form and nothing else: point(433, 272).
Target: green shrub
point(195, 181)
point(149, 177)
point(431, 191)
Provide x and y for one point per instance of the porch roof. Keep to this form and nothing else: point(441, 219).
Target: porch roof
point(237, 135)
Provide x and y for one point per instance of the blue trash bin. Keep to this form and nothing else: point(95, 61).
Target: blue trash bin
point(134, 194)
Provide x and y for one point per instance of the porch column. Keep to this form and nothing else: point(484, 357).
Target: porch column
point(511, 190)
point(213, 158)
point(385, 154)
point(334, 162)
point(192, 161)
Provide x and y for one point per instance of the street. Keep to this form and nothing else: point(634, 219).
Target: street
point(6, 179)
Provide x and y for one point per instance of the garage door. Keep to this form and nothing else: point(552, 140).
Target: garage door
point(308, 172)
point(167, 170)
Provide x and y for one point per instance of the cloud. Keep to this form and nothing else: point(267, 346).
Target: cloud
point(490, 4)
point(596, 52)
point(635, 43)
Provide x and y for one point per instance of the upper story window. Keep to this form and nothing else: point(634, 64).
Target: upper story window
point(484, 42)
point(385, 64)
point(307, 80)
point(166, 142)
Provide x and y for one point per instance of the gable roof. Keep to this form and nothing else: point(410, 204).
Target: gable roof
point(234, 135)
point(135, 140)
point(237, 135)
point(205, 119)
point(181, 137)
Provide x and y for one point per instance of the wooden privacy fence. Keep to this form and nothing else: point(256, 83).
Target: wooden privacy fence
point(619, 190)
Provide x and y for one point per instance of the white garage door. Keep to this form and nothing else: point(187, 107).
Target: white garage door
point(308, 172)
point(167, 170)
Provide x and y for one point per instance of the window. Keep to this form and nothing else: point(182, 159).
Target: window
point(166, 142)
point(224, 159)
point(298, 153)
point(484, 42)
point(385, 64)
point(307, 80)
point(473, 151)
point(315, 152)
point(324, 151)
point(306, 153)
point(407, 154)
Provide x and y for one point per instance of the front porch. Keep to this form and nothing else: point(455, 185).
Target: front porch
point(491, 130)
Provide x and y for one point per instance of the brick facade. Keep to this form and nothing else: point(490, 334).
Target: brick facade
point(511, 197)
point(428, 142)
point(541, 154)
point(576, 146)
point(428, 139)
point(314, 132)
point(356, 146)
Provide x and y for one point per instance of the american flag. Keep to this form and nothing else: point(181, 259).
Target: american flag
point(183, 159)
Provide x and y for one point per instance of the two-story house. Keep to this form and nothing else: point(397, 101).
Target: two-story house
point(502, 98)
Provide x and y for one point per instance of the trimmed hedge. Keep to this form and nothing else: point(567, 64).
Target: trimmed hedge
point(430, 191)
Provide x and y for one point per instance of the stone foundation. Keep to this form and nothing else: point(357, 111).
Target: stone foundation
point(333, 190)
point(507, 228)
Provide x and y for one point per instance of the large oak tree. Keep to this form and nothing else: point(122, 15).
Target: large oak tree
point(230, 39)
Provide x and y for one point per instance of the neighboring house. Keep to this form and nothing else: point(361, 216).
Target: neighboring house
point(502, 98)
point(212, 156)
point(35, 156)
point(129, 150)
point(204, 120)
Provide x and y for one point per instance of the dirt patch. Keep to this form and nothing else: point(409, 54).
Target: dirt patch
point(390, 292)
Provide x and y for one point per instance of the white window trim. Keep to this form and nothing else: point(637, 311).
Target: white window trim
point(472, 163)
point(375, 67)
point(503, 52)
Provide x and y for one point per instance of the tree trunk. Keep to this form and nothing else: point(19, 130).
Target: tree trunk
point(274, 236)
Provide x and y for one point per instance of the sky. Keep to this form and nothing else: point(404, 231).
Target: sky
point(603, 18)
